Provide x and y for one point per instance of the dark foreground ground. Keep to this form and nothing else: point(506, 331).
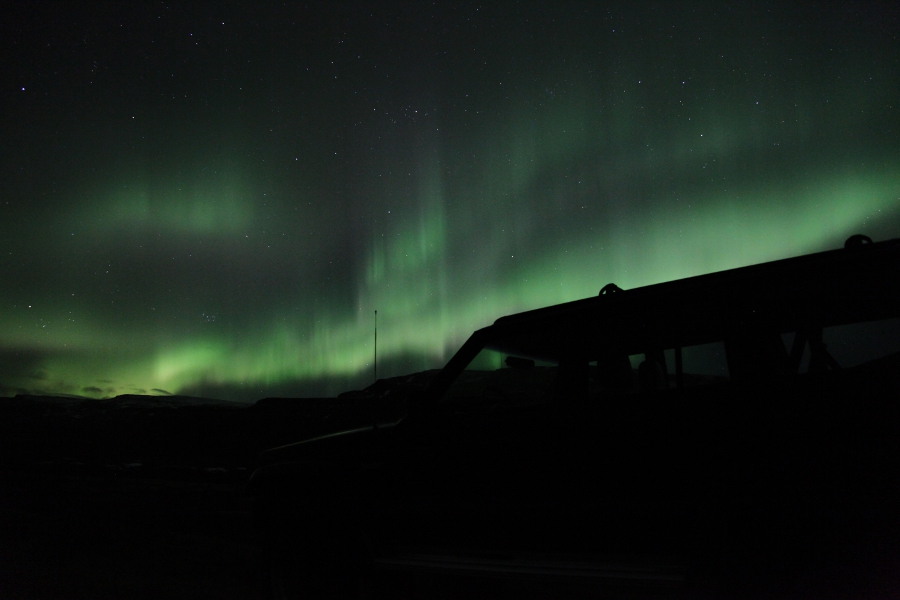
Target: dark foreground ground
point(144, 498)
point(122, 537)
point(138, 497)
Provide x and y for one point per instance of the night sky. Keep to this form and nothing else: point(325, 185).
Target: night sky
point(214, 200)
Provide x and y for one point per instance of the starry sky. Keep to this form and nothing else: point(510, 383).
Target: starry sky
point(214, 199)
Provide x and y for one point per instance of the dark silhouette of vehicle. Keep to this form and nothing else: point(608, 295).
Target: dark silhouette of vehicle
point(726, 435)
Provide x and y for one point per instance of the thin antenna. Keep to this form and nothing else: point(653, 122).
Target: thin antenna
point(375, 359)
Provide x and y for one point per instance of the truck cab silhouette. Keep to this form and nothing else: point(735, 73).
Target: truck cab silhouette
point(726, 435)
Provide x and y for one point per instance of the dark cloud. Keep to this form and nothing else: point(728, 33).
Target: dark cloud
point(23, 362)
point(30, 371)
point(22, 371)
point(13, 391)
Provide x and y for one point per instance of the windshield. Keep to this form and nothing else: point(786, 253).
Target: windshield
point(495, 378)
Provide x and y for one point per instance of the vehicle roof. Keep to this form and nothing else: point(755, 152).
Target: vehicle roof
point(860, 282)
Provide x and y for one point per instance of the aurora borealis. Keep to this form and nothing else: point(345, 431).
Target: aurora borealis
point(214, 200)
